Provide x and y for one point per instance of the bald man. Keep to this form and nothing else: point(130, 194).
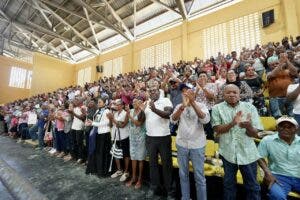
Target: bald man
point(236, 123)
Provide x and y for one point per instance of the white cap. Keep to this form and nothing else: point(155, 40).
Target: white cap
point(287, 119)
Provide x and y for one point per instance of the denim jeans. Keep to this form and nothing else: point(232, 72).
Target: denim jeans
point(197, 157)
point(280, 106)
point(248, 172)
point(33, 132)
point(41, 135)
point(285, 184)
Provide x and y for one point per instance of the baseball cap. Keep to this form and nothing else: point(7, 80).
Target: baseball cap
point(184, 85)
point(287, 119)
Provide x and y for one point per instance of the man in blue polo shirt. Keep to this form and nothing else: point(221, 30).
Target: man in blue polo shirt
point(282, 173)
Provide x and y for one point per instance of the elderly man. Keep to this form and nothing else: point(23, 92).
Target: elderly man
point(236, 123)
point(191, 141)
point(282, 151)
point(158, 138)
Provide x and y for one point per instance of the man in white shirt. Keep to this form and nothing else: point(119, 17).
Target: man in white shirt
point(158, 138)
point(191, 141)
point(79, 114)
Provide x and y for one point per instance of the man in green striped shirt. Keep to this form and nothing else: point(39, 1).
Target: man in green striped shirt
point(236, 123)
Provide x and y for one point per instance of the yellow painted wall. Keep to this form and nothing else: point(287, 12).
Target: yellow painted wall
point(88, 63)
point(50, 74)
point(8, 94)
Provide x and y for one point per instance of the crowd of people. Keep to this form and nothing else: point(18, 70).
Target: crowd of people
point(123, 119)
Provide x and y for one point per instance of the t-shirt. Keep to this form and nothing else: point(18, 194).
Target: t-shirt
point(78, 124)
point(157, 126)
point(124, 132)
point(296, 102)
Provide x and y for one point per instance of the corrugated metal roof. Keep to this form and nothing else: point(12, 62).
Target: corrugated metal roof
point(29, 18)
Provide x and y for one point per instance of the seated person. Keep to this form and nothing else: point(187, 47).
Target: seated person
point(282, 174)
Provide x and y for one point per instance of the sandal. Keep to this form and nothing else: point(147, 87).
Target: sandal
point(130, 183)
point(138, 185)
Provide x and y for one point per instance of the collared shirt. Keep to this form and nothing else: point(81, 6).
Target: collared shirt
point(157, 126)
point(190, 132)
point(235, 146)
point(101, 121)
point(283, 159)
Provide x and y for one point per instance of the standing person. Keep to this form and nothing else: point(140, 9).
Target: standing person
point(120, 132)
point(190, 142)
point(99, 157)
point(61, 135)
point(236, 123)
point(137, 142)
point(79, 115)
point(206, 93)
point(158, 139)
point(67, 130)
point(42, 120)
point(282, 174)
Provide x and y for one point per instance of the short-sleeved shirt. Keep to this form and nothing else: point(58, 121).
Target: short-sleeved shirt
point(283, 159)
point(236, 146)
point(41, 122)
point(157, 126)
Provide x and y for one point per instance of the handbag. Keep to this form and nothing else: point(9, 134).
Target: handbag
point(115, 151)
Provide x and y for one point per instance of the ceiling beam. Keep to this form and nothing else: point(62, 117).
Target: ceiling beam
point(68, 50)
point(92, 28)
point(35, 27)
point(166, 6)
point(190, 8)
point(118, 18)
point(73, 13)
point(106, 21)
point(66, 23)
point(182, 9)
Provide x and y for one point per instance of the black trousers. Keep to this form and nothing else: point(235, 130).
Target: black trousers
point(99, 161)
point(160, 146)
point(77, 150)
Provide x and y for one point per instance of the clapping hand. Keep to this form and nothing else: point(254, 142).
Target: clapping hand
point(237, 118)
point(247, 123)
point(143, 106)
point(152, 106)
point(190, 95)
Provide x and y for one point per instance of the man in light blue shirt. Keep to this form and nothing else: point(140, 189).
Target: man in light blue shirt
point(282, 173)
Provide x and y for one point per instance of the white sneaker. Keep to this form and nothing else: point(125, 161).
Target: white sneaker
point(53, 151)
point(116, 174)
point(124, 177)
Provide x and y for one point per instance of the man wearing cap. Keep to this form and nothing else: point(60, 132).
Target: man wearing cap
point(158, 139)
point(175, 95)
point(190, 141)
point(282, 173)
point(236, 123)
